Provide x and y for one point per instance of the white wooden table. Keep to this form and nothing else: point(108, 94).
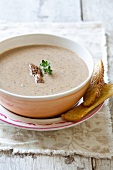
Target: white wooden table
point(59, 11)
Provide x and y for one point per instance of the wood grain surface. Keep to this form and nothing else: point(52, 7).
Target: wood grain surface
point(59, 11)
point(40, 10)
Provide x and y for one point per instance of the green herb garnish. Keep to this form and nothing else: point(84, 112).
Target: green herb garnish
point(44, 63)
point(46, 67)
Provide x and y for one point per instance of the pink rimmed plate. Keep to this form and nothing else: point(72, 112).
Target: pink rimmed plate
point(41, 124)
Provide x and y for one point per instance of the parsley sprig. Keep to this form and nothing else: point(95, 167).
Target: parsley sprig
point(46, 67)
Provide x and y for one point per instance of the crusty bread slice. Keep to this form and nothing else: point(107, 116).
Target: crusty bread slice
point(95, 85)
point(80, 111)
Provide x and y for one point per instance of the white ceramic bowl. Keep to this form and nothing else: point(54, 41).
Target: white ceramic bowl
point(50, 105)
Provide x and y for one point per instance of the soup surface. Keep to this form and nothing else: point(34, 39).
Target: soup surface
point(68, 70)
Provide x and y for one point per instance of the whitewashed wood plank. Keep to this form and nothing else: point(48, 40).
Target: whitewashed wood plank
point(19, 10)
point(41, 162)
point(98, 10)
point(101, 10)
point(102, 164)
point(44, 162)
point(40, 10)
point(60, 11)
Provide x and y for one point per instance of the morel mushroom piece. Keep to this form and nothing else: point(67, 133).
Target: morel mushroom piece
point(38, 78)
point(33, 69)
point(36, 72)
point(40, 72)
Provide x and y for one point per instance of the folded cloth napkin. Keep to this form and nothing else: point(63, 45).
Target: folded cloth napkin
point(91, 138)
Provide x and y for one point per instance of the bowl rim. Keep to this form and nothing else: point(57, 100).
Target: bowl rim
point(56, 95)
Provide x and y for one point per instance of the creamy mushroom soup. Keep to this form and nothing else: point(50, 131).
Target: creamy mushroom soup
point(68, 70)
